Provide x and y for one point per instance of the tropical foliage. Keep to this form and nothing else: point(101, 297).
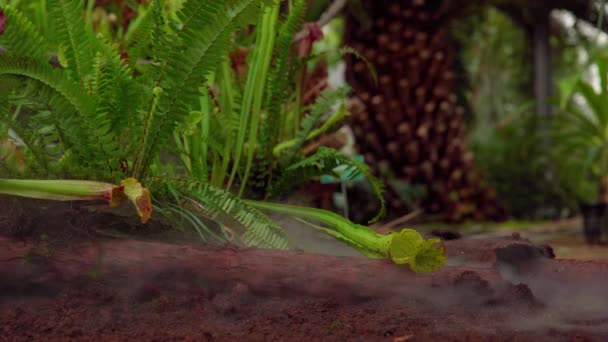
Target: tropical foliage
point(165, 106)
point(581, 129)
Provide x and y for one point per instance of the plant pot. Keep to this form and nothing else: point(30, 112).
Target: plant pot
point(593, 220)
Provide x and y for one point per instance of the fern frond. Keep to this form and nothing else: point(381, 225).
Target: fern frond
point(5, 107)
point(54, 78)
point(200, 46)
point(55, 132)
point(254, 91)
point(140, 32)
point(280, 78)
point(278, 88)
point(324, 162)
point(74, 111)
point(222, 206)
point(8, 100)
point(347, 50)
point(117, 102)
point(162, 37)
point(75, 42)
point(322, 106)
point(20, 38)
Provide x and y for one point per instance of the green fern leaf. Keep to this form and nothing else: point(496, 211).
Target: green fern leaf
point(323, 106)
point(74, 111)
point(200, 47)
point(323, 162)
point(20, 38)
point(117, 103)
point(222, 206)
point(74, 40)
point(278, 88)
point(5, 107)
point(141, 31)
point(54, 78)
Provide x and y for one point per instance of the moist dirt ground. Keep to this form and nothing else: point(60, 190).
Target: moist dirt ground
point(68, 272)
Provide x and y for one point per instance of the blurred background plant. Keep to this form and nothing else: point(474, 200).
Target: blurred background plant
point(581, 128)
point(525, 164)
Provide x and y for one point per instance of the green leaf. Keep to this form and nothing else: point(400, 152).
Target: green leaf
point(196, 51)
point(74, 40)
point(222, 206)
point(323, 162)
point(322, 106)
point(280, 79)
point(21, 37)
point(254, 91)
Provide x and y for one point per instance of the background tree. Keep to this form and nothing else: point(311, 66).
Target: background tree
point(412, 120)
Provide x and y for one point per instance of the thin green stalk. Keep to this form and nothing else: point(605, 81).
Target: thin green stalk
point(404, 247)
point(296, 114)
point(339, 223)
point(254, 91)
point(208, 108)
point(227, 105)
point(184, 152)
point(89, 15)
point(269, 35)
point(335, 118)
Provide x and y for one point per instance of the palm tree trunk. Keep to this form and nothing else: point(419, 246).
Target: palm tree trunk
point(412, 120)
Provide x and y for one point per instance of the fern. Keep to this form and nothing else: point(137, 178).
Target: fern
point(280, 79)
point(8, 121)
point(201, 45)
point(324, 162)
point(96, 117)
point(161, 38)
point(278, 88)
point(4, 116)
point(254, 91)
point(225, 207)
point(75, 44)
point(4, 107)
point(21, 38)
point(347, 50)
point(72, 92)
point(73, 109)
point(42, 130)
point(117, 104)
point(141, 31)
point(323, 106)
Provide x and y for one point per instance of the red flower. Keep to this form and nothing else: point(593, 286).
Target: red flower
point(314, 33)
point(2, 21)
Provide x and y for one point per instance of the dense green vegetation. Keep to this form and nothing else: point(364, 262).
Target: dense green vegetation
point(207, 115)
point(161, 101)
point(535, 171)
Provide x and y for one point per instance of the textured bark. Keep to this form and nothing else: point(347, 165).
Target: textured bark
point(543, 84)
point(411, 122)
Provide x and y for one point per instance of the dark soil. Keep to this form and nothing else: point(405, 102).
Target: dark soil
point(85, 280)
